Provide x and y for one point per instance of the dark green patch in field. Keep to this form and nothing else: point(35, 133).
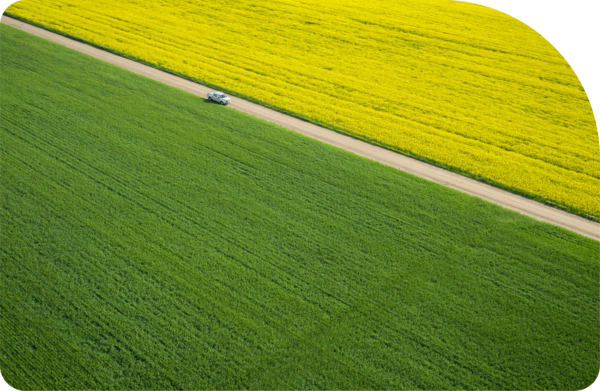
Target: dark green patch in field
point(151, 240)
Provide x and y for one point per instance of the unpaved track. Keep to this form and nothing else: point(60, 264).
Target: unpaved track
point(396, 160)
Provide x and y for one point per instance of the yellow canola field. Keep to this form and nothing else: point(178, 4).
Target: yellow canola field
point(463, 85)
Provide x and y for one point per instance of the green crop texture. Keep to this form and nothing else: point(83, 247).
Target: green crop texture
point(152, 240)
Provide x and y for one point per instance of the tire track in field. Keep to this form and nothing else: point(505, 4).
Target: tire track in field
point(412, 166)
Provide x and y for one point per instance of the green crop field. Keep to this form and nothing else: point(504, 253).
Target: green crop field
point(152, 240)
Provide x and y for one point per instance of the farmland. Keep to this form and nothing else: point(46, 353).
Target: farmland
point(462, 86)
point(153, 240)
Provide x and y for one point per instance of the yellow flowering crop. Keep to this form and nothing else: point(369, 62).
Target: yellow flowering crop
point(463, 85)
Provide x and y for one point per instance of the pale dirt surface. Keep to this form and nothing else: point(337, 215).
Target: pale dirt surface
point(427, 171)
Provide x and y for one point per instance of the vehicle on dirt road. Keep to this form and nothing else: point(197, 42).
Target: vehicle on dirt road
point(219, 97)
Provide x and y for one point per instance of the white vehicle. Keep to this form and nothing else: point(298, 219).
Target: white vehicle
point(219, 97)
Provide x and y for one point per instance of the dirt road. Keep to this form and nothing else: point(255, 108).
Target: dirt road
point(396, 160)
